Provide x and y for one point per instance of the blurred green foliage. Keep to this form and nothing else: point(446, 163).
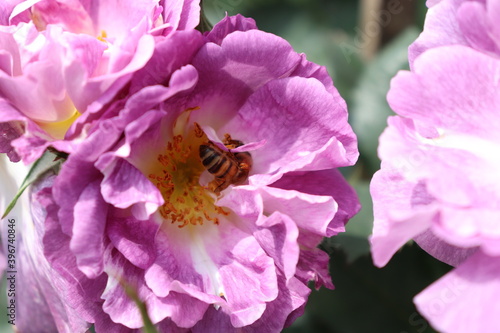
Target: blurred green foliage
point(369, 109)
point(366, 299)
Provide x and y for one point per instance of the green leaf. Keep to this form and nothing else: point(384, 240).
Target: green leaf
point(369, 110)
point(48, 161)
point(205, 23)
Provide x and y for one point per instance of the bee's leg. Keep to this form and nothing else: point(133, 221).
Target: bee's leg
point(227, 139)
point(217, 185)
point(230, 143)
point(244, 166)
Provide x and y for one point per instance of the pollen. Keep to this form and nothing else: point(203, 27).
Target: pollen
point(37, 19)
point(102, 37)
point(177, 176)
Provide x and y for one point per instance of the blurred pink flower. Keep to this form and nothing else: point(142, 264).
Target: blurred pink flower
point(439, 183)
point(60, 59)
point(471, 23)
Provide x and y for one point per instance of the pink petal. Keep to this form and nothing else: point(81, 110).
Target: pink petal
point(325, 183)
point(132, 238)
point(199, 266)
point(274, 105)
point(427, 89)
point(474, 23)
point(181, 14)
point(441, 28)
point(228, 25)
point(397, 220)
point(466, 299)
point(278, 237)
point(311, 213)
point(90, 214)
point(124, 186)
point(81, 293)
point(439, 249)
point(181, 308)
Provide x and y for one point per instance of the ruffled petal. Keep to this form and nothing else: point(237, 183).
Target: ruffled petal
point(184, 310)
point(90, 214)
point(397, 221)
point(325, 183)
point(228, 25)
point(464, 300)
point(199, 266)
point(123, 186)
point(439, 249)
point(182, 15)
point(132, 239)
point(285, 309)
point(292, 137)
point(427, 90)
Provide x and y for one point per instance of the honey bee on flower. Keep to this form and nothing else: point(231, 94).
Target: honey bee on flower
point(228, 168)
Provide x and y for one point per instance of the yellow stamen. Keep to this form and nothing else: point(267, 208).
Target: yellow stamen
point(177, 176)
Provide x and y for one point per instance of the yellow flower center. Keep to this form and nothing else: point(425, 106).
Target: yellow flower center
point(177, 176)
point(58, 129)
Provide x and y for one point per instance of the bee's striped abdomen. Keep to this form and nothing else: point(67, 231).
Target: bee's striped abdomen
point(208, 156)
point(227, 167)
point(216, 162)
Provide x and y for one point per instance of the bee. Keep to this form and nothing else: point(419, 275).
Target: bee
point(227, 167)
